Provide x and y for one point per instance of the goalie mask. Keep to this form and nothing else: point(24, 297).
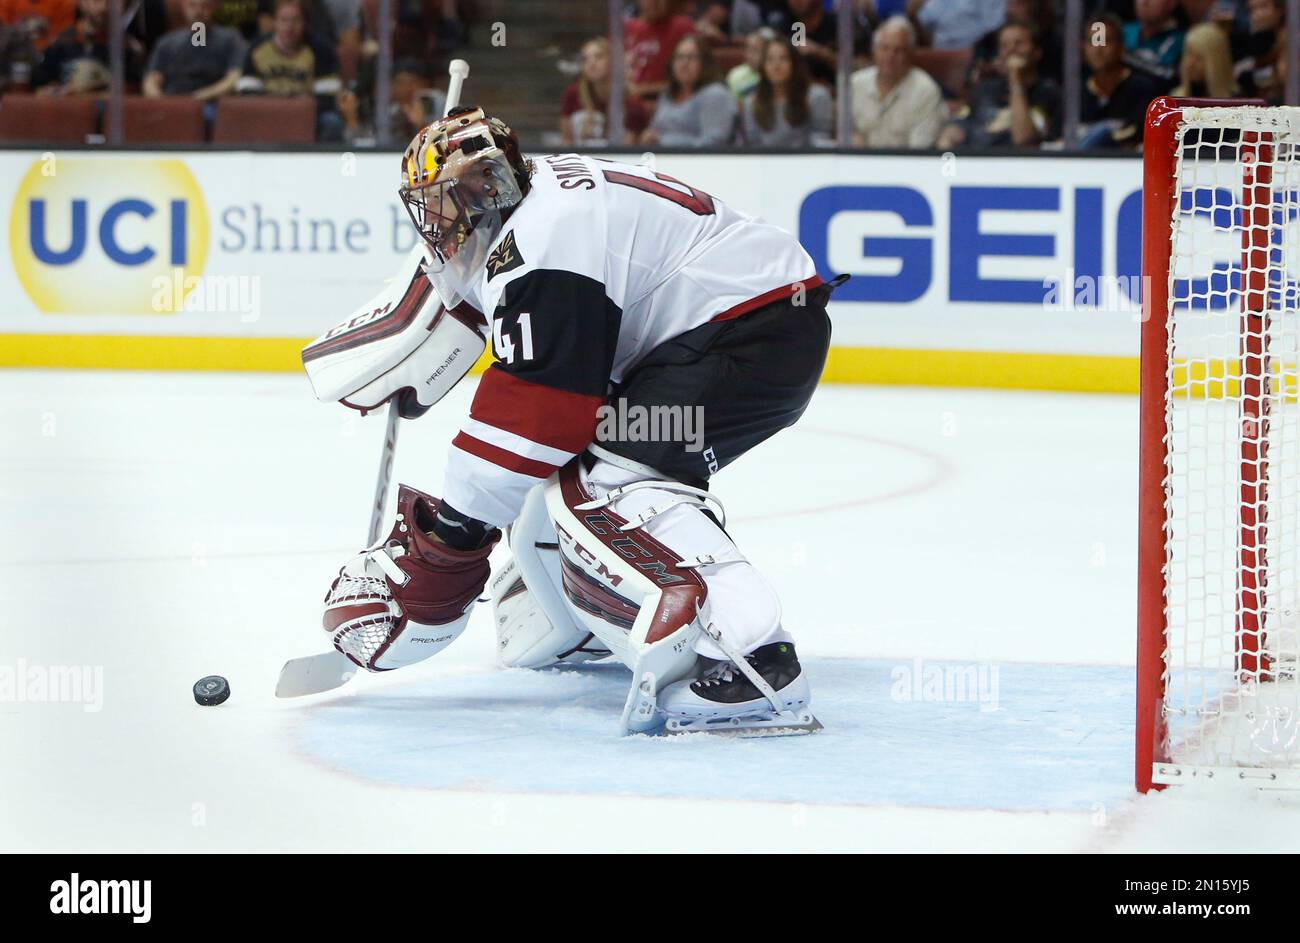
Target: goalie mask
point(460, 176)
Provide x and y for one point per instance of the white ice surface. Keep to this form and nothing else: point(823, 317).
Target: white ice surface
point(162, 527)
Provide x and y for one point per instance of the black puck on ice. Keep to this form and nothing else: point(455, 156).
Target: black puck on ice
point(211, 690)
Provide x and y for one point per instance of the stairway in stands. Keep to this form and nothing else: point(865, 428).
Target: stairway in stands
point(521, 81)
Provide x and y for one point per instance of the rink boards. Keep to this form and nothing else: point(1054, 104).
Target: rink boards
point(967, 271)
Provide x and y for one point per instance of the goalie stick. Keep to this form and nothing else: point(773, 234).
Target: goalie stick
point(326, 671)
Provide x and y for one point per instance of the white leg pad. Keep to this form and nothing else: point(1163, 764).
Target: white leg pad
point(534, 626)
point(741, 604)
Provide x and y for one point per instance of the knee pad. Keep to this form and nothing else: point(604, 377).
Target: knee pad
point(644, 568)
point(690, 523)
point(534, 628)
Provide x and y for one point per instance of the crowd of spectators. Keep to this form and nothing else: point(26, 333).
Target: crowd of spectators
point(713, 74)
point(211, 49)
point(949, 74)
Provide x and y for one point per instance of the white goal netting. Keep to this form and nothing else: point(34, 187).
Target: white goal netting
point(1232, 449)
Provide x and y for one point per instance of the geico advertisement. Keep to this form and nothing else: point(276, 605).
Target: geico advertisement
point(1034, 253)
point(951, 252)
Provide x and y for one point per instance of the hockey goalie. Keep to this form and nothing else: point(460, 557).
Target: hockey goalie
point(601, 286)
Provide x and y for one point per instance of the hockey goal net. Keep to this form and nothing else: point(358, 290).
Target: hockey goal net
point(1219, 545)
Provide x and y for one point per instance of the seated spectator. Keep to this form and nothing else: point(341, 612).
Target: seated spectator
point(713, 20)
point(1039, 16)
point(1260, 51)
point(1154, 41)
point(695, 110)
point(648, 42)
point(40, 20)
point(895, 104)
point(413, 103)
point(16, 58)
point(585, 105)
point(1013, 107)
point(76, 63)
point(235, 14)
point(1206, 69)
point(743, 79)
point(815, 33)
point(787, 109)
point(358, 120)
point(956, 24)
point(287, 61)
point(1115, 96)
point(207, 71)
point(424, 29)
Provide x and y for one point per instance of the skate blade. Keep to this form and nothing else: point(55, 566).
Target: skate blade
point(785, 724)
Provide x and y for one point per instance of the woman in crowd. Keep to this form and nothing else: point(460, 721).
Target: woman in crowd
point(586, 103)
point(743, 79)
point(787, 109)
point(696, 110)
point(1206, 67)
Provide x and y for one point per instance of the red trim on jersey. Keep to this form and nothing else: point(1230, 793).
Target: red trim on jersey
point(785, 291)
point(499, 456)
point(541, 414)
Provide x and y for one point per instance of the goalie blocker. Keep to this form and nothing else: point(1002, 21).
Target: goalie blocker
point(403, 343)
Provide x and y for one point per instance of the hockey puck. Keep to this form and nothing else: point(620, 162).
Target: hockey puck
point(211, 690)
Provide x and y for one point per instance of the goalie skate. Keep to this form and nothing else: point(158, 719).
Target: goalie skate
point(761, 694)
point(784, 724)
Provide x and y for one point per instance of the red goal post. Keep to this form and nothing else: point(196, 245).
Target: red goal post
point(1219, 476)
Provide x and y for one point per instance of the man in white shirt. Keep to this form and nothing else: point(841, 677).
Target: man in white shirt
point(895, 104)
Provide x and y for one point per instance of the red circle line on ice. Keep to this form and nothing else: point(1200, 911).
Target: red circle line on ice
point(941, 469)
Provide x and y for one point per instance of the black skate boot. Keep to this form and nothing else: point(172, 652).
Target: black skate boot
point(724, 683)
point(724, 699)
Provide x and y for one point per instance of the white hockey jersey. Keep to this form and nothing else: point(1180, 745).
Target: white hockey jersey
point(601, 263)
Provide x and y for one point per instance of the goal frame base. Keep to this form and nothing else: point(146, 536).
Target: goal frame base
point(1252, 777)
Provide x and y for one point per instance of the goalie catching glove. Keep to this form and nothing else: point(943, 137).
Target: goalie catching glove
point(410, 596)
